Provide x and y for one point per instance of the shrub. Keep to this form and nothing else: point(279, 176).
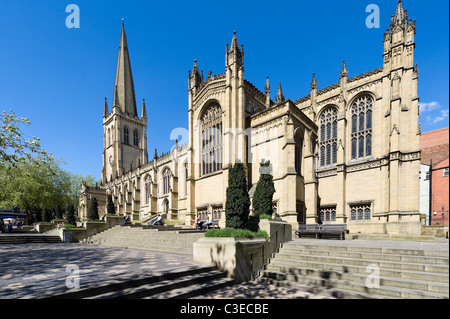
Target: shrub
point(233, 232)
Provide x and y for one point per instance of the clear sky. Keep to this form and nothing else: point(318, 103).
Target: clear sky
point(59, 77)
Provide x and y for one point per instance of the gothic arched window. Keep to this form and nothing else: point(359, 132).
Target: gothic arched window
point(328, 137)
point(166, 180)
point(109, 136)
point(136, 138)
point(211, 128)
point(361, 135)
point(126, 135)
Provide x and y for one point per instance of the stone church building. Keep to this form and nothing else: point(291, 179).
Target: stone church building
point(348, 153)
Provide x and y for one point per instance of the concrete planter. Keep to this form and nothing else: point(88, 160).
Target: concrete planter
point(231, 255)
point(237, 256)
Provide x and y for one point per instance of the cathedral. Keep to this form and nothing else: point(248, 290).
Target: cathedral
point(347, 154)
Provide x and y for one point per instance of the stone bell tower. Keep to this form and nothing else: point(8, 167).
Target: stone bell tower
point(125, 134)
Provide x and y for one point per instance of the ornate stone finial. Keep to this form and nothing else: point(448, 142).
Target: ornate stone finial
point(267, 87)
point(314, 82)
point(280, 97)
point(123, 21)
point(344, 71)
point(106, 110)
point(400, 17)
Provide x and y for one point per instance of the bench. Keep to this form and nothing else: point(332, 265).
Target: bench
point(319, 230)
point(215, 224)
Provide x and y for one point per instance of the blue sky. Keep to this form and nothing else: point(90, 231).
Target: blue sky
point(59, 77)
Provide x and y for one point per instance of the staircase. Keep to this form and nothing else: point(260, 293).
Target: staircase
point(162, 239)
point(348, 271)
point(179, 284)
point(28, 239)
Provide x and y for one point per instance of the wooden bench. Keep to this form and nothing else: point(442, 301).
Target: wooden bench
point(319, 230)
point(333, 229)
point(308, 229)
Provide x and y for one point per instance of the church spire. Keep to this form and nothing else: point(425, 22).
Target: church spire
point(124, 96)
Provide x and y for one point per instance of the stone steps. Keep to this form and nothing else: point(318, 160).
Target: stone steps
point(29, 239)
point(361, 261)
point(182, 283)
point(170, 239)
point(306, 267)
point(343, 270)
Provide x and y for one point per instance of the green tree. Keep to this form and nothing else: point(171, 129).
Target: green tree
point(13, 147)
point(110, 209)
point(70, 215)
point(93, 209)
point(265, 188)
point(33, 183)
point(237, 205)
point(75, 185)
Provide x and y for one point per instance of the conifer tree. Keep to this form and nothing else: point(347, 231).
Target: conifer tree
point(93, 209)
point(110, 206)
point(59, 212)
point(237, 205)
point(47, 215)
point(70, 215)
point(265, 188)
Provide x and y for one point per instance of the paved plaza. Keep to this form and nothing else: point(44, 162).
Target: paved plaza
point(32, 270)
point(39, 270)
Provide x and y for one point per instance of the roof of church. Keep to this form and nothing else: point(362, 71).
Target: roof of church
point(124, 96)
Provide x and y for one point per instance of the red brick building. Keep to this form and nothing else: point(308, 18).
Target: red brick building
point(435, 151)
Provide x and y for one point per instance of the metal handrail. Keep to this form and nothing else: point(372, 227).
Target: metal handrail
point(263, 245)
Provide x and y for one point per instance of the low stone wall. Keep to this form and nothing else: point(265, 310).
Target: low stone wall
point(393, 227)
point(42, 228)
point(436, 231)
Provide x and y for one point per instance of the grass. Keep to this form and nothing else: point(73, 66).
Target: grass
point(233, 232)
